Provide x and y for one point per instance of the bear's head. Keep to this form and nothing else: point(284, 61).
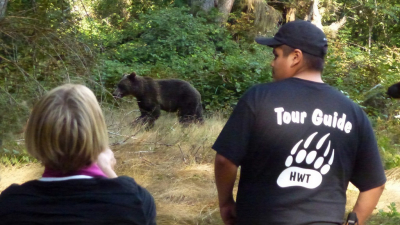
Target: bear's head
point(129, 85)
point(394, 90)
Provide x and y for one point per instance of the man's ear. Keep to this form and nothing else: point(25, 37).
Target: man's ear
point(296, 56)
point(132, 76)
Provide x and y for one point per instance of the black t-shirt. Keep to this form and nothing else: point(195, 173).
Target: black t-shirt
point(298, 143)
point(78, 201)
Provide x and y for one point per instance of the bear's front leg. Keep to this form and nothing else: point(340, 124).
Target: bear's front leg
point(191, 114)
point(143, 120)
point(149, 114)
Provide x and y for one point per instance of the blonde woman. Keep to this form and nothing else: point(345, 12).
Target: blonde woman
point(67, 133)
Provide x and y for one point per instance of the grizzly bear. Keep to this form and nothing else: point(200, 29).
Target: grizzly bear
point(152, 95)
point(394, 90)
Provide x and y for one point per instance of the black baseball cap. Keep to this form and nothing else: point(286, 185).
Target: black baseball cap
point(301, 35)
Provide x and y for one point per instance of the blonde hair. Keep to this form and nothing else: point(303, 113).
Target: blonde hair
point(66, 129)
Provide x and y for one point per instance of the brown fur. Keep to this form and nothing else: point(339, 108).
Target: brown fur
point(171, 95)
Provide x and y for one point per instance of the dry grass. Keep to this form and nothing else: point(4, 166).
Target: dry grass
point(173, 162)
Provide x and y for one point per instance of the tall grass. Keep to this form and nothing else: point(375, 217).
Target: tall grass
point(173, 162)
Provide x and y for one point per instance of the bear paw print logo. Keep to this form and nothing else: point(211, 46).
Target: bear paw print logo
point(310, 177)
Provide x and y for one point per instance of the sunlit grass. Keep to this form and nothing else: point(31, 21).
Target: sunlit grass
point(174, 163)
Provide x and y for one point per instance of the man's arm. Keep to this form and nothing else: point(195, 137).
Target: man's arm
point(225, 176)
point(366, 203)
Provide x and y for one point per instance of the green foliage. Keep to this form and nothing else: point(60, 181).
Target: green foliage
point(111, 72)
point(113, 11)
point(392, 211)
point(391, 217)
point(38, 51)
point(172, 43)
point(14, 157)
point(12, 116)
point(241, 26)
point(387, 133)
point(118, 12)
point(14, 152)
point(168, 35)
point(355, 70)
point(378, 18)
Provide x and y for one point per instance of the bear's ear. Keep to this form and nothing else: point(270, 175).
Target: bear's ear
point(132, 76)
point(394, 90)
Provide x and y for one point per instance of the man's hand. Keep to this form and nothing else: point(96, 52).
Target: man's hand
point(228, 213)
point(106, 162)
point(225, 176)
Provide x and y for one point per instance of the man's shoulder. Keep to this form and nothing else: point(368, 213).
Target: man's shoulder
point(265, 87)
point(290, 82)
point(301, 91)
point(290, 85)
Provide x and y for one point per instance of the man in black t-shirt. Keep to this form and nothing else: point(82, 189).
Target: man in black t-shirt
point(298, 141)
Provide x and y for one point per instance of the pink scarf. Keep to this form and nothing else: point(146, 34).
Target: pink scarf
point(92, 170)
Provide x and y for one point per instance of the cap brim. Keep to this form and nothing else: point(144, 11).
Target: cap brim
point(271, 42)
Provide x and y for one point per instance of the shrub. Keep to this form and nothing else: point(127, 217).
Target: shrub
point(172, 43)
point(392, 217)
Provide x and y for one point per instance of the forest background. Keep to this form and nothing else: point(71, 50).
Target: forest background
point(209, 43)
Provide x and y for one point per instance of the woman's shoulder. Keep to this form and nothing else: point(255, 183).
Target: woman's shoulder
point(122, 184)
point(130, 184)
point(124, 181)
point(18, 189)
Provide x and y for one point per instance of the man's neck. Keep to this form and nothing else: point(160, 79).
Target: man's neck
point(314, 76)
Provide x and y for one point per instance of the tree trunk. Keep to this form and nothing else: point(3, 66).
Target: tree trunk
point(290, 14)
point(208, 5)
point(370, 38)
point(334, 27)
point(225, 7)
point(371, 26)
point(3, 7)
point(313, 14)
point(315, 17)
point(205, 5)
